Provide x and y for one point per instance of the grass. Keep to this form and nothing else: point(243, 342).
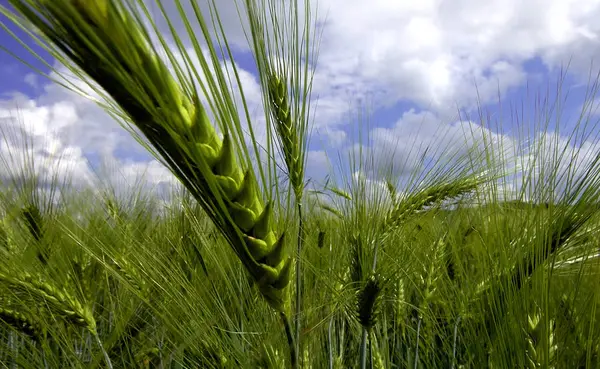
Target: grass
point(446, 273)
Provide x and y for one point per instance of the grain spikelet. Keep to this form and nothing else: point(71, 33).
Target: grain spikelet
point(107, 43)
point(22, 323)
point(429, 196)
point(58, 301)
point(368, 298)
point(287, 131)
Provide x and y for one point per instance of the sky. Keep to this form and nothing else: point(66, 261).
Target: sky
point(413, 65)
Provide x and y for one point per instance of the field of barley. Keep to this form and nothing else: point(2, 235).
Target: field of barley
point(247, 264)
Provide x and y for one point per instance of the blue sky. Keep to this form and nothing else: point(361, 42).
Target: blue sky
point(13, 71)
point(414, 63)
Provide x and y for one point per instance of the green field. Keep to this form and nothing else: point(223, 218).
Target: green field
point(249, 265)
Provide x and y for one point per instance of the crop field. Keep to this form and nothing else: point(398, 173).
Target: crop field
point(247, 264)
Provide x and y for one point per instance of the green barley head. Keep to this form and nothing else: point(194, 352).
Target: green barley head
point(109, 45)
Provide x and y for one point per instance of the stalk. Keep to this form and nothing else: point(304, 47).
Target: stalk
point(363, 349)
point(104, 353)
point(329, 342)
point(417, 344)
point(14, 348)
point(290, 338)
point(297, 321)
point(454, 343)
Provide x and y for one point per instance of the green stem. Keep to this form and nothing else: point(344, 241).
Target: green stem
point(14, 348)
point(329, 343)
point(454, 344)
point(297, 322)
point(106, 357)
point(371, 364)
point(290, 339)
point(417, 345)
point(363, 349)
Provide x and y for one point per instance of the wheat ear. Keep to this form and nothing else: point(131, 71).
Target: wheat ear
point(108, 44)
point(537, 343)
point(290, 143)
point(34, 222)
point(432, 195)
point(286, 131)
point(23, 323)
point(368, 301)
point(58, 301)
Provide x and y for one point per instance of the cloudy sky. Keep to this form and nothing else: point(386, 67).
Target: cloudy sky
point(414, 65)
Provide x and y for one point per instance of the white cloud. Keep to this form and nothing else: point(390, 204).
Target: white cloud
point(433, 52)
point(438, 54)
point(430, 53)
point(318, 164)
point(59, 135)
point(31, 135)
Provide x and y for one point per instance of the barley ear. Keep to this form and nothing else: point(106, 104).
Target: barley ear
point(321, 239)
point(23, 323)
point(541, 348)
point(368, 300)
point(287, 131)
point(60, 302)
point(33, 220)
point(432, 195)
point(108, 44)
